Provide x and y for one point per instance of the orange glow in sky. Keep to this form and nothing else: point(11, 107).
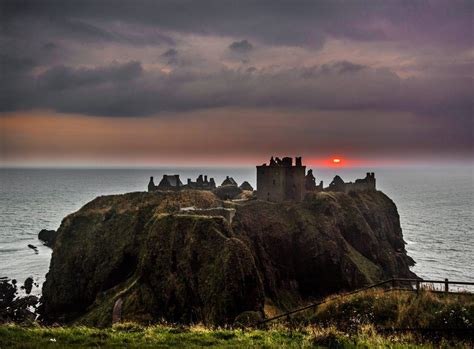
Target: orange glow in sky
point(335, 161)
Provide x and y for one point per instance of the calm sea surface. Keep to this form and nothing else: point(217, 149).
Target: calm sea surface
point(436, 208)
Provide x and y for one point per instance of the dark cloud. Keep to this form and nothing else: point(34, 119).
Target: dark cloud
point(57, 55)
point(61, 78)
point(302, 23)
point(49, 46)
point(346, 67)
point(171, 56)
point(242, 46)
point(128, 90)
point(31, 27)
point(170, 53)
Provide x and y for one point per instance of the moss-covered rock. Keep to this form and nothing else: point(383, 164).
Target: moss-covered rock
point(138, 251)
point(329, 243)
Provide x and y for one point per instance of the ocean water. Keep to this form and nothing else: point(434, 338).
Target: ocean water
point(436, 207)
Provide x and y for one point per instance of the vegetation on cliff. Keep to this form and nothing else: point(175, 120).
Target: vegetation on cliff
point(136, 252)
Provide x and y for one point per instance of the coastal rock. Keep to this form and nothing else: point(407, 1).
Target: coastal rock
point(33, 247)
point(28, 285)
point(197, 268)
point(48, 237)
point(13, 308)
point(8, 292)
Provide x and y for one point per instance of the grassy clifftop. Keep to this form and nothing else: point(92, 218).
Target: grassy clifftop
point(138, 251)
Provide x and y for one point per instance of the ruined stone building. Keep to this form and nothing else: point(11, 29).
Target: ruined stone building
point(310, 182)
point(229, 181)
point(201, 183)
point(173, 182)
point(280, 180)
point(365, 184)
point(246, 186)
point(168, 182)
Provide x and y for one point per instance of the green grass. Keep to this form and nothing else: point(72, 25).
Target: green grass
point(134, 336)
point(397, 309)
point(342, 322)
point(130, 335)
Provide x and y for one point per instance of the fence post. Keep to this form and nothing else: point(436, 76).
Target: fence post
point(393, 282)
point(446, 285)
point(417, 286)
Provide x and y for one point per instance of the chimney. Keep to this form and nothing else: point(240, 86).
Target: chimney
point(151, 184)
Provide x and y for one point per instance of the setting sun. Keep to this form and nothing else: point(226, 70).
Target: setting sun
point(336, 160)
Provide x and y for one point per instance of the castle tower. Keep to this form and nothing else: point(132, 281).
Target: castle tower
point(281, 181)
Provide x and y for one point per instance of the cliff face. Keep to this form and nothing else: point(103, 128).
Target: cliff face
point(135, 251)
point(328, 243)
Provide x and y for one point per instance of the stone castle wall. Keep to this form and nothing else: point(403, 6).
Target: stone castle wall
point(280, 180)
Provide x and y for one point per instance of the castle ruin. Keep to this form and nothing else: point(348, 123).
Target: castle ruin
point(202, 183)
point(367, 183)
point(168, 182)
point(173, 182)
point(279, 180)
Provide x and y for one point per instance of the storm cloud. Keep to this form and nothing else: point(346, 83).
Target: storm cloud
point(288, 22)
point(133, 59)
point(241, 46)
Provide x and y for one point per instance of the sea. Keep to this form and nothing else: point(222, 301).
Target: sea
point(436, 207)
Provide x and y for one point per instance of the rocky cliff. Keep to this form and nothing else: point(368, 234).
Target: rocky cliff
point(136, 257)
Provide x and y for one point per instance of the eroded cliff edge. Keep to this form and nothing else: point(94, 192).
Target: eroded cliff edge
point(138, 248)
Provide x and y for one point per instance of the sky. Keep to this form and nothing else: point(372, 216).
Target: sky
point(149, 83)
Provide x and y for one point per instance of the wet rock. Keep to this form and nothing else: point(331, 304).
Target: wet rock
point(7, 293)
point(48, 237)
point(34, 248)
point(28, 285)
point(13, 308)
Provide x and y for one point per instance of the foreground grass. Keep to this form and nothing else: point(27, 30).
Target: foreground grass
point(130, 335)
point(396, 310)
point(341, 322)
